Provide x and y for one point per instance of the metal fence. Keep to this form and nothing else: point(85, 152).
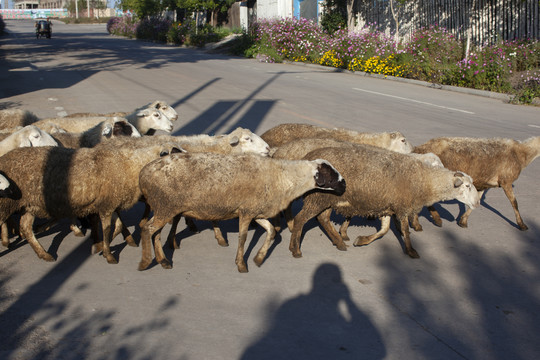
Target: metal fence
point(488, 20)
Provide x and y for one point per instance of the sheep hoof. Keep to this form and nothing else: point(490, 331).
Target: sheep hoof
point(297, 254)
point(412, 253)
point(438, 222)
point(258, 260)
point(165, 264)
point(131, 242)
point(242, 269)
point(111, 260)
point(361, 241)
point(345, 237)
point(97, 248)
point(143, 265)
point(47, 257)
point(341, 246)
point(417, 228)
point(77, 232)
point(463, 224)
point(523, 227)
point(222, 243)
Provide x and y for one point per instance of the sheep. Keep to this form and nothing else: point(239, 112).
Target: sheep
point(29, 135)
point(285, 133)
point(495, 162)
point(297, 149)
point(57, 182)
point(105, 130)
point(380, 183)
point(144, 120)
point(238, 141)
point(208, 186)
point(12, 118)
point(158, 105)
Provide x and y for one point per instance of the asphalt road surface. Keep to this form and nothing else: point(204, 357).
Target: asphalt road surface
point(473, 294)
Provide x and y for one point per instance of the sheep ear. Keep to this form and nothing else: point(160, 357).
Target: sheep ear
point(393, 135)
point(25, 142)
point(457, 180)
point(234, 141)
point(107, 130)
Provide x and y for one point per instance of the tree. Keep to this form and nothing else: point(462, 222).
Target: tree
point(335, 15)
point(395, 7)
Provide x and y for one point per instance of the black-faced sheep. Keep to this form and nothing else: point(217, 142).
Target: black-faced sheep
point(380, 183)
point(108, 129)
point(285, 133)
point(12, 118)
point(220, 187)
point(60, 183)
point(28, 136)
point(490, 162)
point(297, 149)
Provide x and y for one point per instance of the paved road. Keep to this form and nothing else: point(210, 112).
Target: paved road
point(473, 294)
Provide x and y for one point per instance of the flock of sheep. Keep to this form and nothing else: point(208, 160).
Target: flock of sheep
point(91, 167)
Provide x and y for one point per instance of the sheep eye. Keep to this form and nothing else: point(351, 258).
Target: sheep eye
point(163, 153)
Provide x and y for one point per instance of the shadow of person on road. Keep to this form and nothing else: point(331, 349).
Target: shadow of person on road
point(322, 324)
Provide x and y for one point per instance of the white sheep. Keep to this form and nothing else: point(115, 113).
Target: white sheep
point(60, 183)
point(29, 135)
point(12, 118)
point(380, 183)
point(495, 162)
point(284, 133)
point(144, 120)
point(208, 186)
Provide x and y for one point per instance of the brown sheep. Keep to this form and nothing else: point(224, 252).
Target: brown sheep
point(491, 163)
point(285, 133)
point(208, 186)
point(380, 183)
point(56, 182)
point(12, 118)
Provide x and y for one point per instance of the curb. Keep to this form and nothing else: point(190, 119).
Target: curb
point(463, 90)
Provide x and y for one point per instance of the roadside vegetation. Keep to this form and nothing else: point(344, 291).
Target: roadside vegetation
point(432, 54)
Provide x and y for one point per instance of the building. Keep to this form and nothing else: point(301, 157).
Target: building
point(26, 4)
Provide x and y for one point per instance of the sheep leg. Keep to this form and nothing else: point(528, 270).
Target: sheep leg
point(463, 219)
point(97, 243)
point(324, 220)
point(435, 216)
point(119, 227)
point(158, 250)
point(151, 229)
point(344, 227)
point(404, 223)
point(510, 195)
point(5, 235)
point(289, 218)
point(26, 223)
point(299, 220)
point(171, 238)
point(243, 226)
point(190, 223)
point(145, 216)
point(270, 235)
point(106, 224)
point(385, 226)
point(415, 224)
point(218, 234)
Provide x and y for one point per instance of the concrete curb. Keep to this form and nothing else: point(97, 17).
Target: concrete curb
point(469, 91)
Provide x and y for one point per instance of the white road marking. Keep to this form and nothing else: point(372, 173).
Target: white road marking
point(415, 101)
point(534, 126)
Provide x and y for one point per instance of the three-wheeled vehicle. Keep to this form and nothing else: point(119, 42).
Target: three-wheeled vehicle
point(43, 28)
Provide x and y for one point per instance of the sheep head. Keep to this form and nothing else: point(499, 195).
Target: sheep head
point(155, 120)
point(328, 178)
point(465, 190)
point(245, 141)
point(399, 143)
point(33, 136)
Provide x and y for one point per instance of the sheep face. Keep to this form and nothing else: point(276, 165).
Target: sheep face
point(328, 178)
point(35, 137)
point(119, 127)
point(155, 120)
point(244, 141)
point(465, 190)
point(399, 143)
point(165, 109)
point(5, 187)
